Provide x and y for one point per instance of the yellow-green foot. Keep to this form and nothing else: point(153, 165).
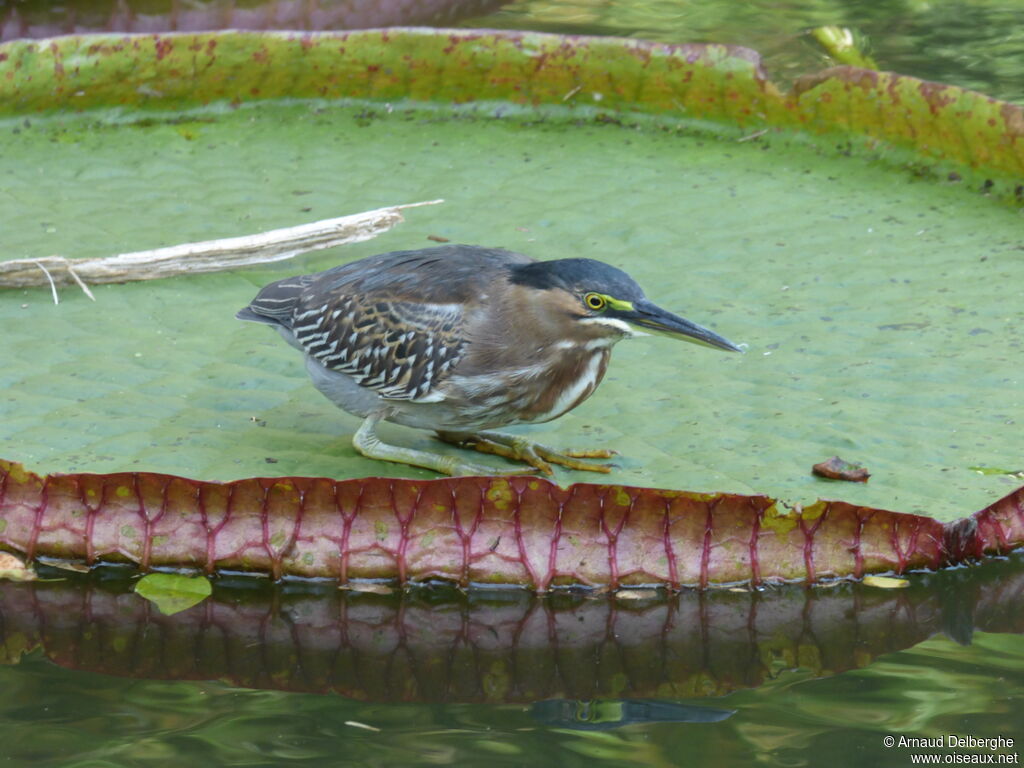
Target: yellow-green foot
point(368, 444)
point(538, 456)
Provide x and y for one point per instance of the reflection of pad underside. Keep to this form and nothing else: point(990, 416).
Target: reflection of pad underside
point(510, 647)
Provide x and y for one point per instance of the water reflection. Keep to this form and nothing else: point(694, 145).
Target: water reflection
point(605, 715)
point(973, 45)
point(37, 19)
point(439, 645)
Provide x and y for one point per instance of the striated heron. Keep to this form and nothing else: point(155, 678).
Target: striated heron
point(460, 339)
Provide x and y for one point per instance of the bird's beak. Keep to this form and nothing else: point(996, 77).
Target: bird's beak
point(651, 317)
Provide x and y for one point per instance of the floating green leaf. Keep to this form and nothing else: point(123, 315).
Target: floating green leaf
point(886, 582)
point(843, 45)
point(173, 592)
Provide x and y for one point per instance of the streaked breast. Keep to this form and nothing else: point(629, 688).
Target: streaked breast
point(569, 385)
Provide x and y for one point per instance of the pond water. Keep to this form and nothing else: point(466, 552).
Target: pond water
point(977, 45)
point(304, 676)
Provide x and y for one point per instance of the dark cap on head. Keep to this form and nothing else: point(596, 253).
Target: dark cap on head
point(577, 275)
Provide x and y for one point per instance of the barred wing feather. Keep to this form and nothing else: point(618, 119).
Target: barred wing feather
point(400, 349)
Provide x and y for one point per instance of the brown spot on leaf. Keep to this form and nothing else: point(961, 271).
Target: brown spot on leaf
point(1013, 118)
point(936, 95)
point(839, 469)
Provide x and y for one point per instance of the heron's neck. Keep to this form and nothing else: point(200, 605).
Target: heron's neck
point(570, 377)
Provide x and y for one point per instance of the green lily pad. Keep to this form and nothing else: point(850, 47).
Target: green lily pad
point(173, 592)
point(873, 112)
point(880, 303)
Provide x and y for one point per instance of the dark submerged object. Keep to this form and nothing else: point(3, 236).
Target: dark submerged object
point(460, 339)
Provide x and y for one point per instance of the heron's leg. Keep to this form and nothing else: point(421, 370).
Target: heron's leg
point(368, 444)
point(536, 455)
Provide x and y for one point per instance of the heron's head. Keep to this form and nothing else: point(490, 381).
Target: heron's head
point(603, 301)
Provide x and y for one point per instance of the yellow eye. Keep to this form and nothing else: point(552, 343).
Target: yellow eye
point(594, 301)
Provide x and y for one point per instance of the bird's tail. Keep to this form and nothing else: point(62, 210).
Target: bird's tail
point(275, 303)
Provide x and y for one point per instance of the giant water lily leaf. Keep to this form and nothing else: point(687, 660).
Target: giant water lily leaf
point(514, 649)
point(880, 303)
point(518, 531)
point(917, 35)
point(697, 82)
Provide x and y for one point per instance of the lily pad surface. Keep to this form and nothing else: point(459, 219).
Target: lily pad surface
point(881, 306)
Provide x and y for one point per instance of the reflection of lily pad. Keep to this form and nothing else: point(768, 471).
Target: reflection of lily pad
point(569, 652)
point(173, 592)
point(878, 304)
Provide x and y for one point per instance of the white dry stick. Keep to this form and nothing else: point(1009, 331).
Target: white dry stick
point(49, 279)
point(208, 256)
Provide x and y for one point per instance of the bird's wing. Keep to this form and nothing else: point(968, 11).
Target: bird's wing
point(394, 323)
point(400, 349)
